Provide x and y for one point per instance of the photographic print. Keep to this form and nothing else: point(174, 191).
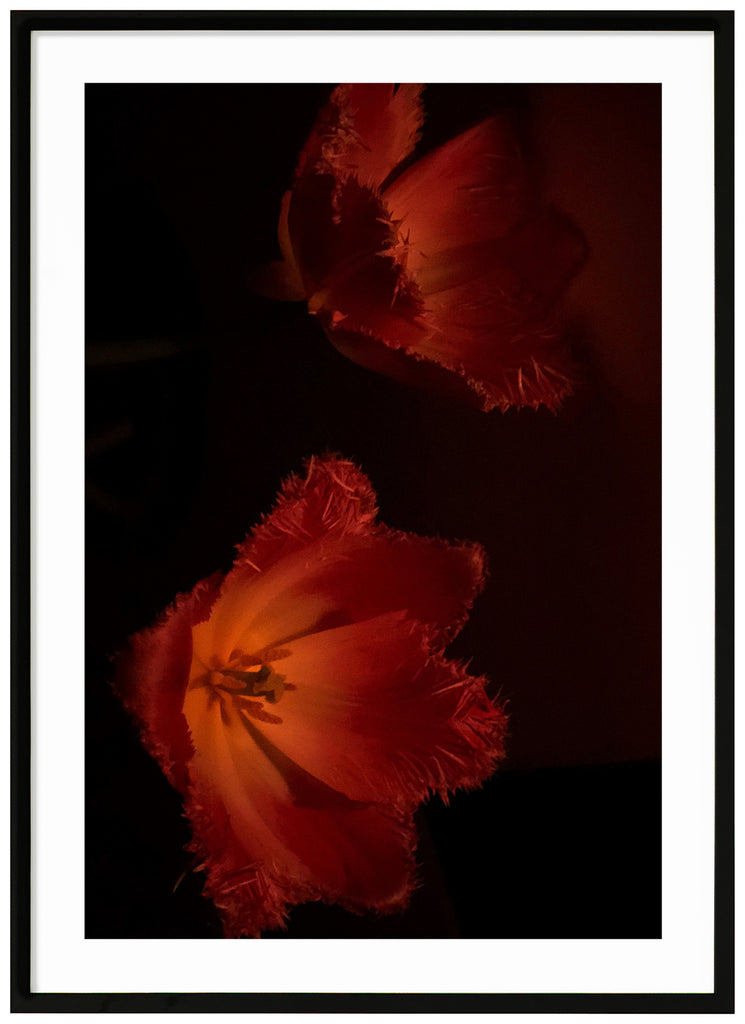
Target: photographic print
point(369, 514)
point(373, 483)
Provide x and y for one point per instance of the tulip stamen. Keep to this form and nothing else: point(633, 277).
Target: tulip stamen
point(262, 682)
point(251, 676)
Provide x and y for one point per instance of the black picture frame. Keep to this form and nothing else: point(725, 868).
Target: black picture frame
point(721, 1000)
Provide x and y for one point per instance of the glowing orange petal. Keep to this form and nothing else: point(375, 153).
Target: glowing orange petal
point(470, 190)
point(405, 721)
point(295, 838)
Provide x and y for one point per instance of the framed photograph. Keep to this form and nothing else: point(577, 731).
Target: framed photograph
point(364, 512)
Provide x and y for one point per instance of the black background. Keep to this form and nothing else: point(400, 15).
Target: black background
point(201, 397)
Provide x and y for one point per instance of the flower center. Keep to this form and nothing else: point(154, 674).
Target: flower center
point(245, 678)
point(262, 681)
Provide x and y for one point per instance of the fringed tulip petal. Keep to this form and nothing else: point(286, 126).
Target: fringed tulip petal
point(346, 247)
point(303, 706)
point(409, 366)
point(301, 570)
point(387, 123)
point(365, 131)
point(152, 675)
point(320, 588)
point(294, 838)
point(448, 264)
point(405, 721)
point(497, 328)
point(470, 190)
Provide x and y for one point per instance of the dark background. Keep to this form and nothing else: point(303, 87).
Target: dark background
point(201, 397)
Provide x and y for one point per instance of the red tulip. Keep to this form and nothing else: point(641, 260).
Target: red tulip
point(303, 706)
point(446, 273)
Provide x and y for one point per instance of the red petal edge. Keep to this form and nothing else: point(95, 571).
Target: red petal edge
point(406, 722)
point(333, 498)
point(364, 131)
point(252, 900)
point(435, 579)
point(151, 675)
